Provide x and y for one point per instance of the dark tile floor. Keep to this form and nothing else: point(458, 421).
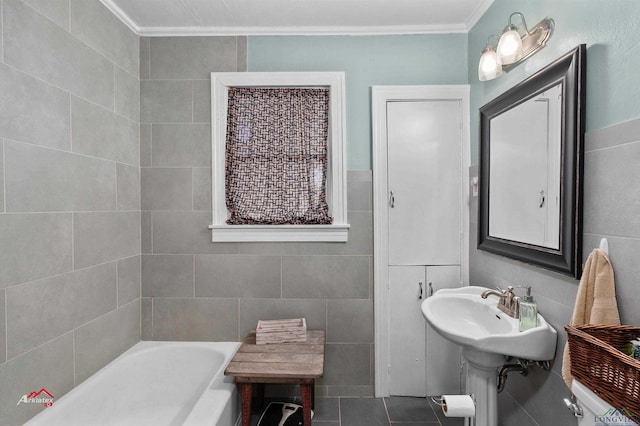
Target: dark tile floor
point(394, 411)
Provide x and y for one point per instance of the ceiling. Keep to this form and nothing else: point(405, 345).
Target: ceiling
point(265, 17)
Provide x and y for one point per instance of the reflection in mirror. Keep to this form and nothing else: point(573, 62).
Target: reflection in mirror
point(531, 165)
point(527, 192)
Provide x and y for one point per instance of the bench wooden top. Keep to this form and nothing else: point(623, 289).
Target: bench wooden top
point(276, 361)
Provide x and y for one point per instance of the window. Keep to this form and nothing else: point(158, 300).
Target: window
point(334, 183)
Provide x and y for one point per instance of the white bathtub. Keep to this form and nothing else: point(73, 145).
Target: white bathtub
point(154, 383)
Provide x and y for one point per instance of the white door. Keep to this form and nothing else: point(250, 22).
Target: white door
point(424, 161)
point(420, 161)
point(424, 157)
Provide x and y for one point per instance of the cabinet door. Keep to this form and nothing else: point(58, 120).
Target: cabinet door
point(424, 164)
point(407, 331)
point(443, 372)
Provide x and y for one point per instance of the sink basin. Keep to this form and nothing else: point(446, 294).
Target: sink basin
point(462, 316)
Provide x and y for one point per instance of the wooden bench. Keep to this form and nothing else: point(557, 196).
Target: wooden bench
point(288, 363)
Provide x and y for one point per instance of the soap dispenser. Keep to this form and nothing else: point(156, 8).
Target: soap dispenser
point(528, 311)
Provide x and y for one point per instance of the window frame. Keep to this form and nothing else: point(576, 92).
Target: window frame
point(336, 162)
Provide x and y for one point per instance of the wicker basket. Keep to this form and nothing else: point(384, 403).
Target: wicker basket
point(598, 363)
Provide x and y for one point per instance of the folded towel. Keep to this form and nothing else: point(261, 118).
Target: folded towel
point(595, 302)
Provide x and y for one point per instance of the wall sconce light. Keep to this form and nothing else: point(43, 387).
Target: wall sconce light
point(489, 67)
point(512, 47)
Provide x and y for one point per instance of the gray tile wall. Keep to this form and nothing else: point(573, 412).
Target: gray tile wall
point(193, 289)
point(70, 265)
point(611, 210)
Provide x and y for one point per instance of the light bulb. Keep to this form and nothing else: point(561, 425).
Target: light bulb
point(509, 47)
point(489, 68)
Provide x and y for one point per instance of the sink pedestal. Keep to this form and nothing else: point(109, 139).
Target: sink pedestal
point(481, 382)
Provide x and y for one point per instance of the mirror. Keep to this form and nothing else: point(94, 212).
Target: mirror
point(531, 149)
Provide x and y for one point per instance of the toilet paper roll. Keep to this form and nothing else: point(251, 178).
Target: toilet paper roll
point(458, 406)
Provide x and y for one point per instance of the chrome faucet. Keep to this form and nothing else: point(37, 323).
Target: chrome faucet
point(509, 303)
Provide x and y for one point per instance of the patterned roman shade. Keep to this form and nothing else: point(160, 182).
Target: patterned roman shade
point(276, 156)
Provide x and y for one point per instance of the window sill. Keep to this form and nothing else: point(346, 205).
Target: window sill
point(280, 233)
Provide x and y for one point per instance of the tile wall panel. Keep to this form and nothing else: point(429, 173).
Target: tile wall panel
point(347, 365)
point(181, 145)
point(96, 26)
point(37, 246)
point(202, 101)
point(33, 111)
point(72, 195)
point(33, 371)
point(33, 185)
point(146, 313)
point(34, 44)
point(165, 188)
point(101, 133)
point(145, 45)
point(233, 276)
point(1, 176)
point(167, 275)
point(127, 95)
point(62, 302)
point(191, 58)
point(146, 244)
point(201, 180)
point(56, 10)
point(186, 232)
point(129, 276)
point(608, 167)
point(166, 101)
point(101, 237)
point(3, 335)
point(325, 277)
point(145, 145)
point(1, 31)
point(195, 319)
point(350, 321)
point(128, 187)
point(99, 342)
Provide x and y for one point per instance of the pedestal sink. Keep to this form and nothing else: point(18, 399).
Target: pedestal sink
point(487, 336)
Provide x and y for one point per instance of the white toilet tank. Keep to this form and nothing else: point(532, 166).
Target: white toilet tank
point(595, 411)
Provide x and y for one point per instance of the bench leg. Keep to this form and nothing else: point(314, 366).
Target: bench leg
point(306, 390)
point(245, 392)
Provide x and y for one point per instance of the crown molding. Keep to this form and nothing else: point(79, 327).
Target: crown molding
point(120, 14)
point(477, 14)
point(265, 31)
point(292, 30)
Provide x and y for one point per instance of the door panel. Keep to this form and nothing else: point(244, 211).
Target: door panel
point(424, 175)
point(424, 143)
point(407, 331)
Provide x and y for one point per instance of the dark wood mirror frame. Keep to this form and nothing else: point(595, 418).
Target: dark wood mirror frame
point(570, 71)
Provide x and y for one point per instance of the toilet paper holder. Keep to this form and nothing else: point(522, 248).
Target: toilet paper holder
point(438, 399)
point(459, 408)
